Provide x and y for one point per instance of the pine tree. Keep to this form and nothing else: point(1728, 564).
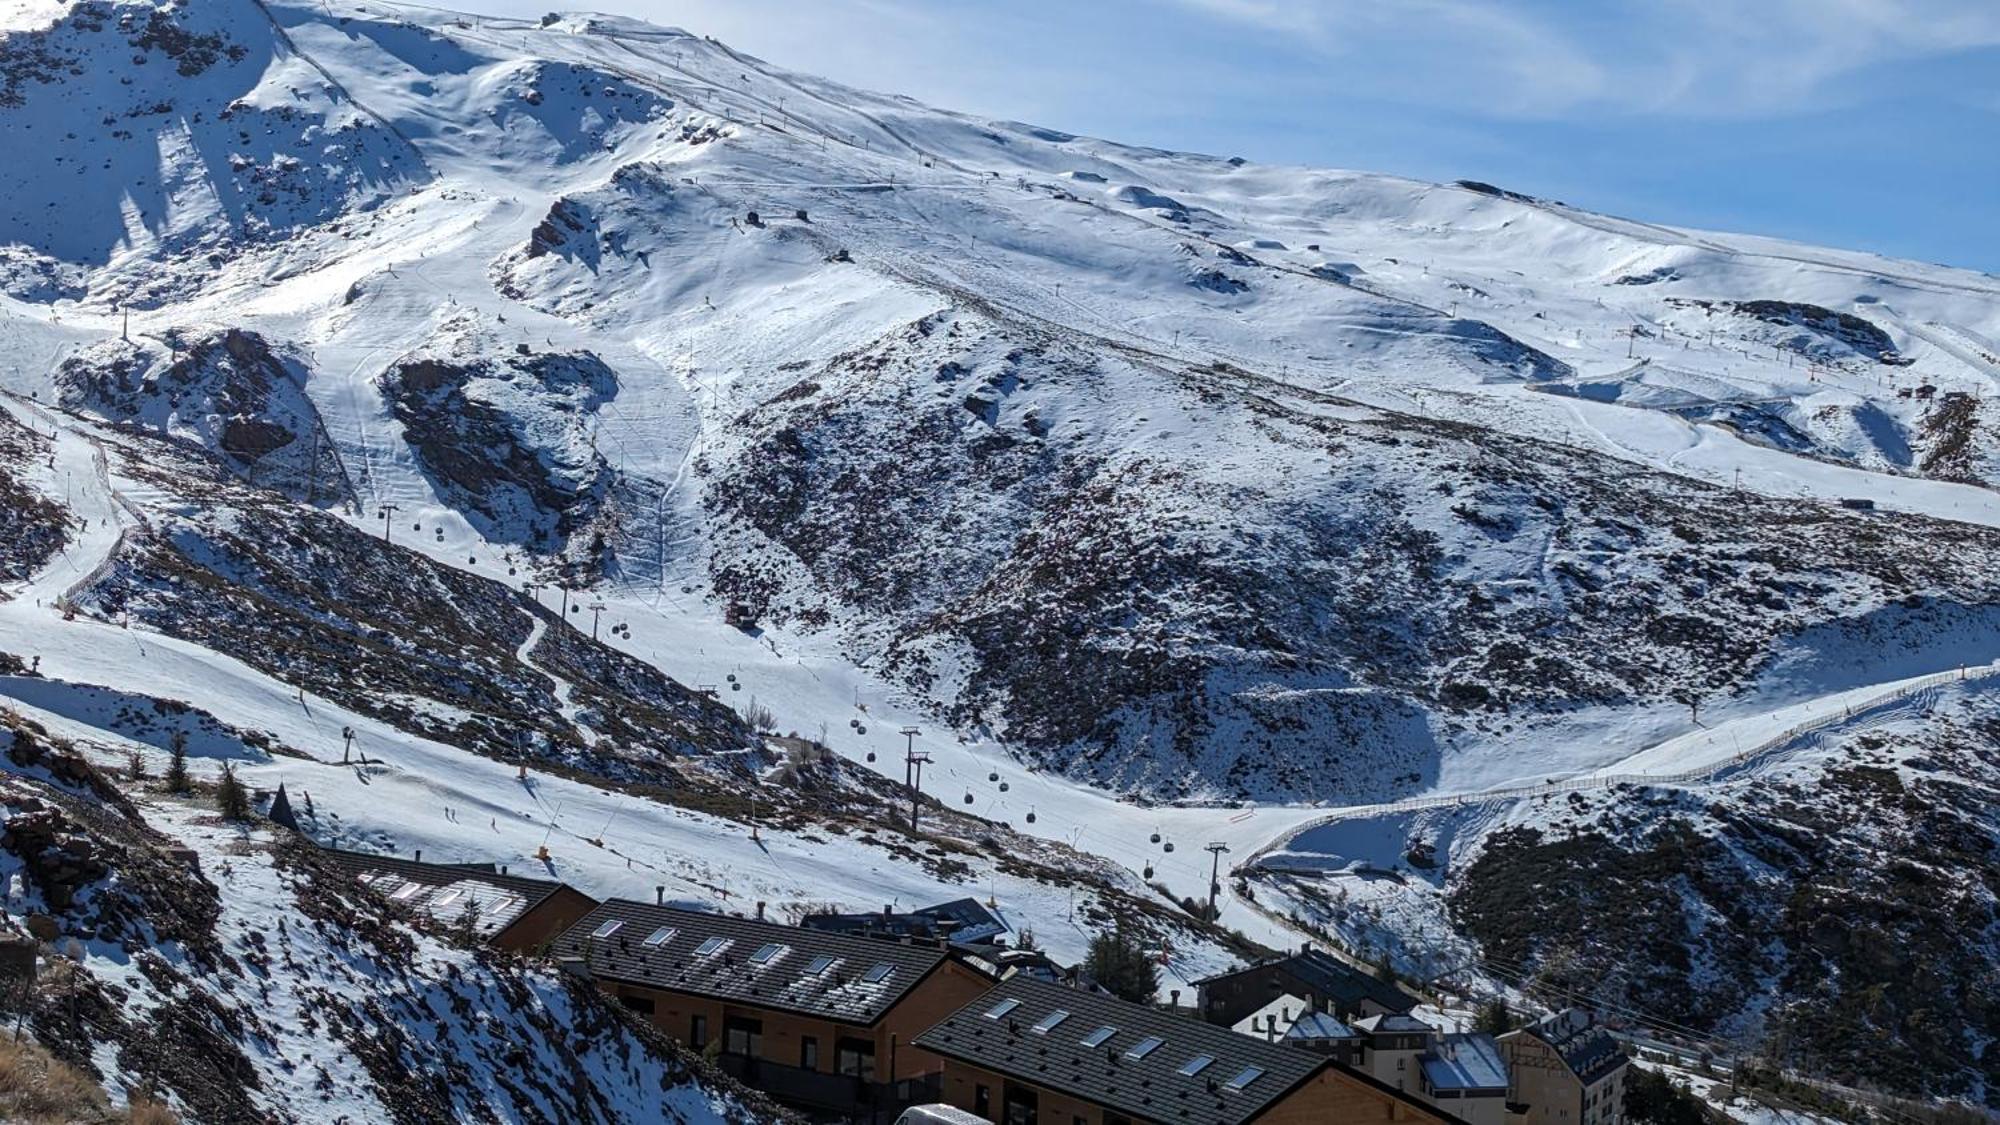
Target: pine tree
point(231, 798)
point(1494, 1017)
point(177, 765)
point(1120, 964)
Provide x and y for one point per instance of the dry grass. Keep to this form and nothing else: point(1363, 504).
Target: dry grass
point(39, 1089)
point(147, 1112)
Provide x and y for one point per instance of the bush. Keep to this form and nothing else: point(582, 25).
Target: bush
point(1651, 1098)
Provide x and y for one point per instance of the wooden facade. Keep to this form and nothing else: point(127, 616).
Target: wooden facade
point(543, 922)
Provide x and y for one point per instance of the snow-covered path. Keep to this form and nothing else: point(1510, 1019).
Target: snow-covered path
point(78, 472)
point(1695, 756)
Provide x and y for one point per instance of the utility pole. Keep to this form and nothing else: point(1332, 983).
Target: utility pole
point(388, 510)
point(348, 751)
point(1215, 851)
point(917, 784)
point(596, 611)
point(565, 603)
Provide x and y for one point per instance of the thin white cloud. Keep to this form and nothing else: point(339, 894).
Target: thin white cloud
point(1703, 57)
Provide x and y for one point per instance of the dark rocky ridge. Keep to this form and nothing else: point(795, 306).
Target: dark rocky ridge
point(1305, 630)
point(1841, 920)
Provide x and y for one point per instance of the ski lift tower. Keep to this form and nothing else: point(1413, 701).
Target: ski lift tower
point(909, 751)
point(596, 612)
point(917, 787)
point(1215, 851)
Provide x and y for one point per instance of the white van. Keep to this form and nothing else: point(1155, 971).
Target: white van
point(938, 1113)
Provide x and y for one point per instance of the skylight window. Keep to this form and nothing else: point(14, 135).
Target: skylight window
point(878, 974)
point(1196, 1065)
point(607, 929)
point(661, 936)
point(1248, 1075)
point(1097, 1038)
point(819, 966)
point(408, 892)
point(767, 954)
point(1144, 1047)
point(1050, 1021)
point(712, 945)
point(1001, 1009)
point(451, 896)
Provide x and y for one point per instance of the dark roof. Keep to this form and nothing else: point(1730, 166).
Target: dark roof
point(1334, 979)
point(811, 971)
point(970, 921)
point(1152, 1087)
point(443, 889)
point(963, 921)
point(1587, 1049)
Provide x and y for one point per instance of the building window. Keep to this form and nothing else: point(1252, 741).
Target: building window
point(742, 1036)
point(698, 1032)
point(808, 1053)
point(855, 1058)
point(1023, 1106)
point(982, 1100)
point(641, 1004)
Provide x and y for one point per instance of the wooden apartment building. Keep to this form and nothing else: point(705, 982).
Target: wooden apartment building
point(1034, 1053)
point(512, 912)
point(821, 1020)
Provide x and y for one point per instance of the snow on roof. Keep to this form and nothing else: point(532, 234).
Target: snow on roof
point(1275, 1018)
point(1587, 1049)
point(1243, 1075)
point(1466, 1061)
point(1393, 1024)
point(822, 973)
point(1318, 1026)
point(447, 891)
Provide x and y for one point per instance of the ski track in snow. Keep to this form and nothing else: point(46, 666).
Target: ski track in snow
point(428, 255)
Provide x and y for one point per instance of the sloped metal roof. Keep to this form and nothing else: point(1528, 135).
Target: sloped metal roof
point(847, 977)
point(442, 890)
point(1157, 1085)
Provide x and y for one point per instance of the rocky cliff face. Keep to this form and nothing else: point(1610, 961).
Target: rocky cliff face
point(509, 437)
point(231, 391)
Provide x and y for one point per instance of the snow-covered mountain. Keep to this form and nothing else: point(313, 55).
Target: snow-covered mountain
point(1124, 473)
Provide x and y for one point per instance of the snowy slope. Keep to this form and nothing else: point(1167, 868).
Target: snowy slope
point(267, 985)
point(1118, 471)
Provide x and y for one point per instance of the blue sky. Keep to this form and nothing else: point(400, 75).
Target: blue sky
point(1872, 124)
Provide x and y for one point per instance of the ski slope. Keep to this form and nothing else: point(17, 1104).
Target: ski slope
point(1378, 290)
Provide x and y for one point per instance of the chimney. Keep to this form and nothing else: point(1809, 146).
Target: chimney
point(760, 910)
point(886, 910)
point(659, 894)
point(1305, 947)
point(1174, 996)
point(420, 855)
point(503, 869)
